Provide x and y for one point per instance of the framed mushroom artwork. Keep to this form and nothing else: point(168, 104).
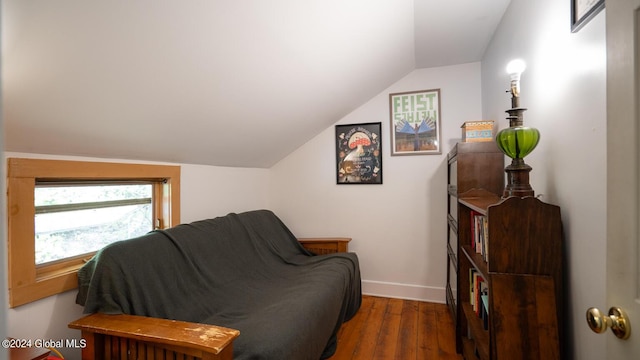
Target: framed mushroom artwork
point(358, 154)
point(415, 122)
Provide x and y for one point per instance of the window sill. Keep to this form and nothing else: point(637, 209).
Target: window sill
point(44, 287)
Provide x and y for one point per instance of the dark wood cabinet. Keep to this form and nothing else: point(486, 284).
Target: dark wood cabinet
point(477, 165)
point(515, 261)
point(504, 262)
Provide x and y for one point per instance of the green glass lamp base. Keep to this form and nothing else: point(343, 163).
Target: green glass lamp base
point(517, 142)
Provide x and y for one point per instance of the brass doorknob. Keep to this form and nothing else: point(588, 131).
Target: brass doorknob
point(617, 320)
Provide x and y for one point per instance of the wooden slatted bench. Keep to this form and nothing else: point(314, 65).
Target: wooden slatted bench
point(113, 337)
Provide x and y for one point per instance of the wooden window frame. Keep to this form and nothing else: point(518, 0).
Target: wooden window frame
point(28, 282)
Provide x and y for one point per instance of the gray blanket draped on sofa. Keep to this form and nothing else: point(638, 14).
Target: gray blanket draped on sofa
point(244, 271)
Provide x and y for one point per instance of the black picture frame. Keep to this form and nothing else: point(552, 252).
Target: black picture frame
point(359, 154)
point(582, 11)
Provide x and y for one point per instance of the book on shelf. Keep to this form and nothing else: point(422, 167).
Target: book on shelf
point(484, 313)
point(479, 286)
point(479, 233)
point(472, 277)
point(485, 254)
point(474, 229)
point(478, 293)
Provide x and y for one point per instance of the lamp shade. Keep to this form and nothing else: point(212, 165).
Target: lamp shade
point(518, 141)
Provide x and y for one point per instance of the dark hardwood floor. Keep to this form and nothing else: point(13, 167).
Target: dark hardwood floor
point(398, 329)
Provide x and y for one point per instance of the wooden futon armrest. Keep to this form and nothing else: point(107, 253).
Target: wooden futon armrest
point(327, 245)
point(139, 337)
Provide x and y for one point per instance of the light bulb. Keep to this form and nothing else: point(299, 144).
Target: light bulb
point(514, 69)
point(516, 66)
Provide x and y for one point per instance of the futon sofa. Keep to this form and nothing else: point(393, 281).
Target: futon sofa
point(238, 286)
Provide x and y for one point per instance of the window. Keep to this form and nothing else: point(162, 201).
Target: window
point(76, 218)
point(62, 212)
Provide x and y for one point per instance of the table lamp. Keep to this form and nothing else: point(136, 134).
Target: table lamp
point(517, 141)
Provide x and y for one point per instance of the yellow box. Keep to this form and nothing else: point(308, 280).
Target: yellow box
point(478, 131)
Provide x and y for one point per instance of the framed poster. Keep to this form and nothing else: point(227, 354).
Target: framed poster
point(582, 11)
point(415, 122)
point(359, 154)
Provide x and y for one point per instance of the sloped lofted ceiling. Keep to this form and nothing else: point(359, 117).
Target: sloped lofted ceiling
point(217, 82)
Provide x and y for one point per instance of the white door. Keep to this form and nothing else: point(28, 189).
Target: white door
point(623, 187)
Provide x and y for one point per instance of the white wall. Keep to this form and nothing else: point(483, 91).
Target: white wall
point(3, 242)
point(564, 89)
point(399, 227)
point(210, 191)
point(206, 192)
